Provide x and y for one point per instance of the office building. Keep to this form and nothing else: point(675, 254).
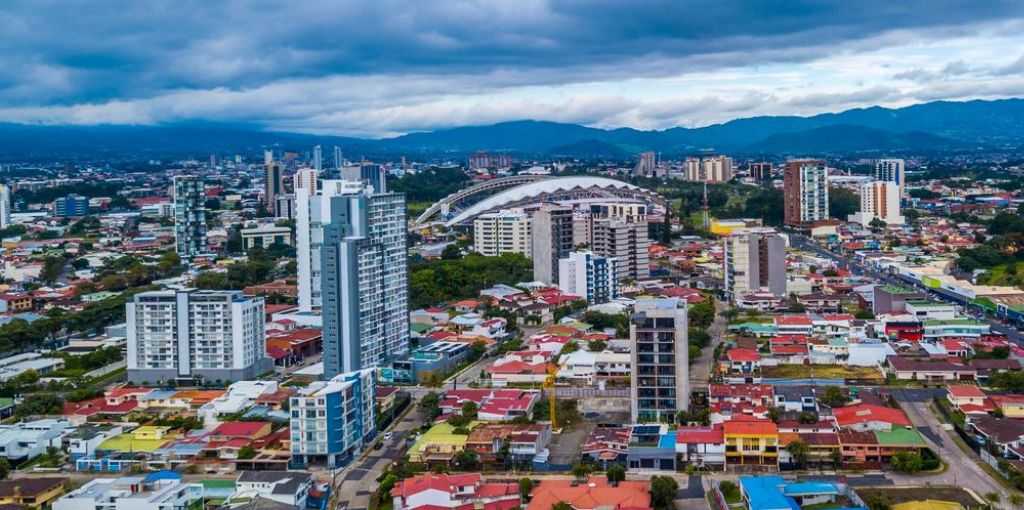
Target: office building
point(318, 158)
point(285, 207)
point(627, 242)
point(306, 187)
point(552, 240)
point(805, 191)
point(369, 174)
point(589, 276)
point(712, 169)
point(273, 185)
point(506, 231)
point(352, 266)
point(659, 360)
point(5, 206)
point(189, 216)
point(646, 166)
point(892, 170)
point(761, 172)
point(755, 261)
point(333, 420)
point(879, 200)
point(195, 334)
point(265, 236)
point(338, 161)
point(71, 206)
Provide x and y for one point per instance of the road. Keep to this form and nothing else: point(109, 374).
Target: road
point(963, 470)
point(700, 369)
point(802, 242)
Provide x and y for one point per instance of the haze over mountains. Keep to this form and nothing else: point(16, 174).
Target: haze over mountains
point(928, 127)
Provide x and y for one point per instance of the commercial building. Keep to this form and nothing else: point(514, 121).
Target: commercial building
point(755, 260)
point(371, 175)
point(502, 232)
point(333, 420)
point(274, 182)
point(892, 170)
point(805, 191)
point(552, 240)
point(589, 276)
point(71, 205)
point(352, 266)
point(265, 236)
point(189, 334)
point(761, 172)
point(660, 382)
point(189, 216)
point(879, 200)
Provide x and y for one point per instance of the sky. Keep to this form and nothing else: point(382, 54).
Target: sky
point(381, 68)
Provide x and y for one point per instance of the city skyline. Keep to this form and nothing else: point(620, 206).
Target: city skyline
point(382, 70)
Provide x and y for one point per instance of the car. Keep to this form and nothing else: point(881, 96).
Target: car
point(387, 435)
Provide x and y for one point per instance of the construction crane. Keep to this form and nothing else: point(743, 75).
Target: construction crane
point(549, 386)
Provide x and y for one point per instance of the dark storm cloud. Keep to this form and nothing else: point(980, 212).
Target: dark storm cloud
point(59, 52)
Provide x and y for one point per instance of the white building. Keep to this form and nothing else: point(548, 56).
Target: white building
point(352, 266)
point(589, 276)
point(184, 334)
point(5, 206)
point(712, 169)
point(879, 200)
point(286, 487)
point(590, 367)
point(332, 421)
point(502, 232)
point(755, 260)
point(892, 170)
point(264, 236)
point(131, 493)
point(30, 439)
point(805, 192)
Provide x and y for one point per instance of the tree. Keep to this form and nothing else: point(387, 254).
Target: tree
point(1016, 500)
point(5, 468)
point(799, 451)
point(666, 229)
point(877, 225)
point(808, 417)
point(525, 488)
point(451, 252)
point(842, 203)
point(616, 473)
point(561, 505)
point(834, 397)
point(467, 460)
point(430, 405)
point(246, 452)
point(469, 409)
point(663, 492)
point(907, 462)
point(53, 266)
point(597, 346)
point(580, 470)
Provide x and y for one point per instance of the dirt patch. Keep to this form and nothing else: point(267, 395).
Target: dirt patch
point(905, 494)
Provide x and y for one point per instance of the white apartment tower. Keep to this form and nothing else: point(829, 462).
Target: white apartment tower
point(5, 206)
point(712, 169)
point(189, 334)
point(755, 259)
point(589, 276)
point(502, 232)
point(881, 200)
point(892, 170)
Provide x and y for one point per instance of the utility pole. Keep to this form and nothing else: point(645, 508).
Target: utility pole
point(707, 217)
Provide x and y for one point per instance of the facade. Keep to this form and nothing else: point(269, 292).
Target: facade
point(274, 183)
point(892, 170)
point(755, 259)
point(189, 216)
point(627, 242)
point(352, 266)
point(879, 200)
point(552, 240)
point(660, 384)
point(332, 421)
point(502, 232)
point(589, 276)
point(805, 191)
point(71, 205)
point(761, 172)
point(185, 334)
point(265, 236)
point(5, 206)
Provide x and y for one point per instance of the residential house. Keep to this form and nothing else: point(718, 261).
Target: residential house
point(927, 370)
point(31, 492)
point(869, 417)
point(701, 446)
point(596, 493)
point(157, 491)
point(751, 441)
point(289, 488)
point(454, 492)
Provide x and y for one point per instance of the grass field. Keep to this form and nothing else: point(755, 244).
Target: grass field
point(998, 275)
point(905, 494)
point(822, 372)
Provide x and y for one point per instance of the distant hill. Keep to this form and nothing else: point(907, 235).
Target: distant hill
point(927, 127)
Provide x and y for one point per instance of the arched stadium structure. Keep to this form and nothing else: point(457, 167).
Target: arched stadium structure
point(466, 197)
point(567, 190)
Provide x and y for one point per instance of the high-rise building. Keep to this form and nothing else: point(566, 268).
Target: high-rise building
point(625, 241)
point(892, 170)
point(189, 216)
point(552, 240)
point(268, 157)
point(805, 191)
point(761, 171)
point(879, 200)
point(481, 160)
point(712, 169)
point(188, 334)
point(285, 206)
point(369, 174)
point(692, 169)
point(338, 161)
point(646, 166)
point(659, 360)
point(72, 205)
point(352, 266)
point(755, 260)
point(506, 231)
point(5, 206)
point(589, 276)
point(318, 158)
point(333, 420)
point(274, 185)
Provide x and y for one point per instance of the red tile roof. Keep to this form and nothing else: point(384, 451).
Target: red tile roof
point(695, 435)
point(864, 413)
point(743, 355)
point(750, 428)
point(444, 483)
point(965, 391)
point(239, 428)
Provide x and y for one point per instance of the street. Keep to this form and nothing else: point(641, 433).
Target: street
point(700, 368)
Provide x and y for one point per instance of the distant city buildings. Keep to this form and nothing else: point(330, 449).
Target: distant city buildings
point(352, 266)
point(507, 231)
point(274, 182)
point(589, 276)
point(195, 334)
point(755, 261)
point(805, 192)
point(72, 205)
point(189, 216)
point(484, 160)
point(318, 158)
point(879, 200)
point(5, 206)
point(761, 172)
point(552, 240)
point(660, 373)
point(333, 420)
point(647, 165)
point(892, 170)
point(712, 169)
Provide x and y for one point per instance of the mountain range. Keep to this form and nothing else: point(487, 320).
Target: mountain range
point(941, 126)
